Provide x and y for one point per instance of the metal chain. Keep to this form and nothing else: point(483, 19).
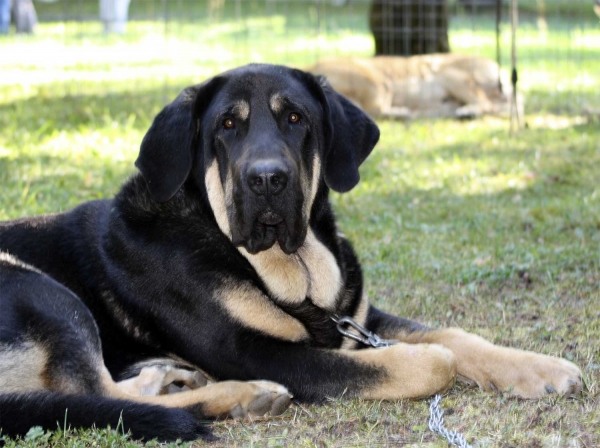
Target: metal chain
point(436, 424)
point(436, 413)
point(362, 335)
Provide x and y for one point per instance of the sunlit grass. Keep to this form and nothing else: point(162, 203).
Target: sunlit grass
point(558, 67)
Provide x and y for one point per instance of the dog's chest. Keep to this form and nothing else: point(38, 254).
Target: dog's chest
point(312, 272)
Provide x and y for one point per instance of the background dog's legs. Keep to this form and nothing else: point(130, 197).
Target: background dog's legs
point(396, 113)
point(462, 88)
point(507, 370)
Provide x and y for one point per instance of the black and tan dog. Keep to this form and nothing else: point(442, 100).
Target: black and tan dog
point(221, 256)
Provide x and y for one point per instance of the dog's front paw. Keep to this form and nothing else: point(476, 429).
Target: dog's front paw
point(507, 370)
point(529, 375)
point(532, 375)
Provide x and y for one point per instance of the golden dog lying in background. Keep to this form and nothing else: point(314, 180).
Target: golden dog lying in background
point(434, 85)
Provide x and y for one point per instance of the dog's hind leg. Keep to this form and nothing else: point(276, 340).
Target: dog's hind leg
point(48, 337)
point(51, 367)
point(21, 367)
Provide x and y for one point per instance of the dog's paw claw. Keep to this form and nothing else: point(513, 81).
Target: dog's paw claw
point(270, 404)
point(273, 399)
point(281, 404)
point(261, 405)
point(575, 387)
point(238, 412)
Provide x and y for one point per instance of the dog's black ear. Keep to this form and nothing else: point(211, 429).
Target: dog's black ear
point(167, 151)
point(350, 136)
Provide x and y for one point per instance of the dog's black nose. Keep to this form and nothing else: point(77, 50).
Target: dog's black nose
point(267, 177)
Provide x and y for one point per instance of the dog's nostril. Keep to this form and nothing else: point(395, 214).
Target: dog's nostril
point(277, 182)
point(256, 182)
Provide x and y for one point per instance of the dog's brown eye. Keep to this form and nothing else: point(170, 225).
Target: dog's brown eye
point(294, 118)
point(228, 123)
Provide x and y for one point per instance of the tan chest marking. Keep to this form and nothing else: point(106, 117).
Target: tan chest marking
point(252, 308)
point(283, 275)
point(311, 272)
point(322, 270)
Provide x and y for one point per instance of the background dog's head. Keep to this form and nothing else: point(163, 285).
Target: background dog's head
point(260, 140)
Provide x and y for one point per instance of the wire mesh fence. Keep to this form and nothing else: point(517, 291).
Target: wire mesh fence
point(167, 44)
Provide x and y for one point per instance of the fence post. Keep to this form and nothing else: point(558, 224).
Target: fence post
point(113, 14)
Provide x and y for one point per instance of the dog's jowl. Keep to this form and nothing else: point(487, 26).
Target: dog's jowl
point(221, 256)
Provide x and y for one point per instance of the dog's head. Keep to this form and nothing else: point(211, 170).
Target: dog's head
point(260, 140)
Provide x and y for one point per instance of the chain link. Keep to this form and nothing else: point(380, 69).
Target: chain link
point(436, 424)
point(361, 334)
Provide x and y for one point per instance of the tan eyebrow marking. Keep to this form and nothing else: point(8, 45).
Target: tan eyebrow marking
point(241, 108)
point(276, 103)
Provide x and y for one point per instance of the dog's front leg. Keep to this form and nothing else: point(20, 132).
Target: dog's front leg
point(493, 368)
point(315, 374)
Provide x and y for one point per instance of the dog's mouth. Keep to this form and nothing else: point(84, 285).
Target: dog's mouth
point(268, 229)
point(269, 218)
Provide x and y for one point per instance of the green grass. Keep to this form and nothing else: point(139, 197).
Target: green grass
point(456, 223)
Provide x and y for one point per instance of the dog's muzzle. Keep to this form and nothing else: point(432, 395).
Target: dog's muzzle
point(268, 201)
